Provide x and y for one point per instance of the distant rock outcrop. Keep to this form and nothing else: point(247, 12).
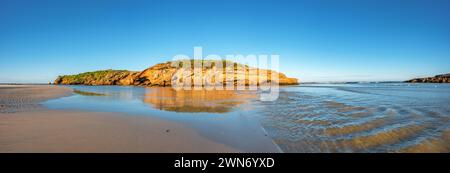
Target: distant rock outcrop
point(444, 78)
point(162, 75)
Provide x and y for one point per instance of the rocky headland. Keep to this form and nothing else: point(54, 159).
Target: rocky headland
point(162, 75)
point(443, 78)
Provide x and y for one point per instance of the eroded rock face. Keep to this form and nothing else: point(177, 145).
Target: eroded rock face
point(163, 73)
point(444, 78)
point(157, 75)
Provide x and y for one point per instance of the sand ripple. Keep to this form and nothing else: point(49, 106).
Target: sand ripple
point(300, 122)
point(19, 98)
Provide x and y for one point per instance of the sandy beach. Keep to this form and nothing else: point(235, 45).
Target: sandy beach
point(25, 126)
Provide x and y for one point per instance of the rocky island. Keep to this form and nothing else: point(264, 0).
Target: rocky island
point(161, 75)
point(443, 78)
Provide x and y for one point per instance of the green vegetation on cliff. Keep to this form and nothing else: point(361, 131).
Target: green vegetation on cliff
point(101, 77)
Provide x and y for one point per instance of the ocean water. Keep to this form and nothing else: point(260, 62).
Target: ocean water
point(373, 117)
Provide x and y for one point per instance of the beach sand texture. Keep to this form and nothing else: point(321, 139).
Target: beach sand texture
point(25, 126)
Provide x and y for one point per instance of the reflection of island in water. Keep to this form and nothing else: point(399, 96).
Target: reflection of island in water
point(212, 101)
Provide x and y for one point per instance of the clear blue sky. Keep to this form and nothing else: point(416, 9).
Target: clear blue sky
point(317, 40)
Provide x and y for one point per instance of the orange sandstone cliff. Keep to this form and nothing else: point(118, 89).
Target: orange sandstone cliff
point(162, 75)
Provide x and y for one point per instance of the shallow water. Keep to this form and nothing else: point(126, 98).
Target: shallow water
point(219, 116)
point(360, 118)
point(390, 117)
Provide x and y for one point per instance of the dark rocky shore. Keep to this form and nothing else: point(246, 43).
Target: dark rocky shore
point(443, 78)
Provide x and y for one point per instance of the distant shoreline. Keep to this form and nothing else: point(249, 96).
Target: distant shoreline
point(443, 78)
point(356, 82)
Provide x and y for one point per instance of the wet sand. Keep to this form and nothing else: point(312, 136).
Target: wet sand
point(25, 126)
point(364, 118)
point(19, 98)
point(74, 131)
